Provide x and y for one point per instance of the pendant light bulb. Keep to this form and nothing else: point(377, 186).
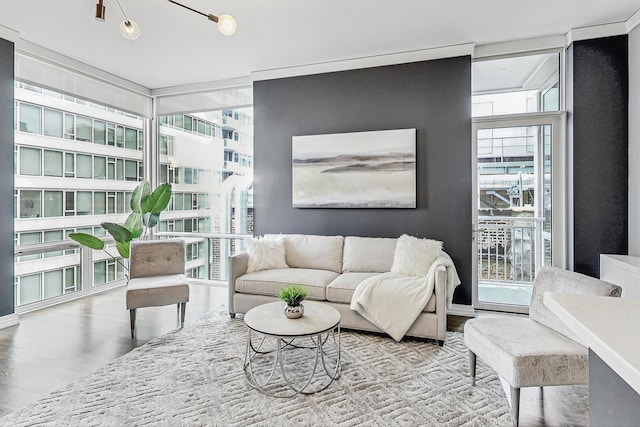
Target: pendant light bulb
point(129, 29)
point(227, 25)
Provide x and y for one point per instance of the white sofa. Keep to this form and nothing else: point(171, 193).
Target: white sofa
point(330, 268)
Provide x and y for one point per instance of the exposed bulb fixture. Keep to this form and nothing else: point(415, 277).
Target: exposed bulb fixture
point(227, 25)
point(129, 30)
point(100, 11)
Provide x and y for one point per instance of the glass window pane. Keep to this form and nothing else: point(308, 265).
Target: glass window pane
point(521, 84)
point(69, 126)
point(70, 203)
point(131, 139)
point(53, 123)
point(120, 169)
point(178, 201)
point(52, 163)
point(30, 239)
point(30, 163)
point(83, 128)
point(83, 203)
point(177, 119)
point(53, 236)
point(111, 169)
point(53, 283)
point(111, 134)
point(84, 166)
point(131, 170)
point(188, 125)
point(52, 203)
point(120, 136)
point(99, 203)
point(30, 118)
point(99, 132)
point(69, 165)
point(120, 202)
point(30, 203)
point(99, 167)
point(99, 273)
point(29, 288)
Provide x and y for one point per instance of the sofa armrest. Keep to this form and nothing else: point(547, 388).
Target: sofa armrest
point(237, 267)
point(441, 300)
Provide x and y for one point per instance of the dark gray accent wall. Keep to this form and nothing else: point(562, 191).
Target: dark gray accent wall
point(432, 96)
point(6, 176)
point(599, 129)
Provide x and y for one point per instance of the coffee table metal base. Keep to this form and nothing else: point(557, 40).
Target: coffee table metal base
point(288, 389)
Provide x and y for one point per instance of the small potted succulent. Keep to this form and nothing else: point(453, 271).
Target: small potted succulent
point(293, 296)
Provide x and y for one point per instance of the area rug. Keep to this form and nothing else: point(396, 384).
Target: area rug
point(194, 377)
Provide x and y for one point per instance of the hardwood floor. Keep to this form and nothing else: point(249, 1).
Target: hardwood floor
point(55, 346)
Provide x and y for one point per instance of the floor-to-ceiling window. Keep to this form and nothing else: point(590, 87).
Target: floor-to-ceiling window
point(208, 159)
point(76, 164)
point(519, 196)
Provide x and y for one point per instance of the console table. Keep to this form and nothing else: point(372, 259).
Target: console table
point(609, 327)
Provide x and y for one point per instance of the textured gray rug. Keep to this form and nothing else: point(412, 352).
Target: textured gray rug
point(194, 377)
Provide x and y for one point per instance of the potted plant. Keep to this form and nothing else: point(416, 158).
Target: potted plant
point(293, 296)
point(146, 206)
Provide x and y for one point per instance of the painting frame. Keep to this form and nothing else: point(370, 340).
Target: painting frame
point(370, 169)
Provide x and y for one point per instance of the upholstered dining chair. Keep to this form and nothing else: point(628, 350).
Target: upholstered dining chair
point(156, 277)
point(539, 350)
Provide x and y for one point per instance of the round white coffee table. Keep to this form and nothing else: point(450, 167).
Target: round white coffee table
point(268, 321)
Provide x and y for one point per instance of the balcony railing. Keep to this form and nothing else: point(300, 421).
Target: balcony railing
point(509, 249)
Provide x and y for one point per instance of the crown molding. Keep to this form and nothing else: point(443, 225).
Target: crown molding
point(9, 34)
point(519, 46)
point(365, 62)
point(9, 320)
point(633, 22)
point(596, 31)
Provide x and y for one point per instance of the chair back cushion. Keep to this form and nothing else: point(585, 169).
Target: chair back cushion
point(551, 279)
point(156, 258)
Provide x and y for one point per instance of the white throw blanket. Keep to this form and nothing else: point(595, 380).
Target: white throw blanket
point(393, 302)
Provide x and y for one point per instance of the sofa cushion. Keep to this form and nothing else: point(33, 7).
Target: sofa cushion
point(269, 282)
point(313, 252)
point(341, 289)
point(368, 254)
point(265, 254)
point(413, 256)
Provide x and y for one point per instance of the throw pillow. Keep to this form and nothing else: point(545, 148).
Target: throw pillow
point(414, 256)
point(266, 254)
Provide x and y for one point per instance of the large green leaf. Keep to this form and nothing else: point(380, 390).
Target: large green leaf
point(123, 248)
point(141, 192)
point(151, 219)
point(87, 240)
point(158, 200)
point(134, 224)
point(118, 232)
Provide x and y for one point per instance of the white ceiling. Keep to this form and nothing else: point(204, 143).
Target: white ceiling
point(180, 47)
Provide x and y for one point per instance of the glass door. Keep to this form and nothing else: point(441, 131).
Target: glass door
point(519, 205)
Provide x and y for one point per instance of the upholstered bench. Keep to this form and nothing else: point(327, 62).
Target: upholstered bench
point(539, 350)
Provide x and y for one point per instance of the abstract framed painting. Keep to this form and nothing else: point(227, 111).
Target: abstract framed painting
point(374, 169)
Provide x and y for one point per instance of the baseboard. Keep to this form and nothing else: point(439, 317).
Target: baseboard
point(461, 310)
point(9, 320)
